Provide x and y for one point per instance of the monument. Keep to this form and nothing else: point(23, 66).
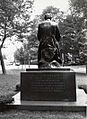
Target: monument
point(47, 83)
point(49, 37)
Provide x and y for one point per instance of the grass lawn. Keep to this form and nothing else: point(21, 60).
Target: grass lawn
point(17, 114)
point(7, 86)
point(9, 81)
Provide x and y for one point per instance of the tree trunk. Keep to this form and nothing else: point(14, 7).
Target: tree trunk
point(2, 63)
point(63, 59)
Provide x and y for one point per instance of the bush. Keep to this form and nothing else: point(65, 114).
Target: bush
point(4, 99)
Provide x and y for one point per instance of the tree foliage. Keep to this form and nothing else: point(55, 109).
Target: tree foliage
point(72, 28)
point(79, 7)
point(56, 14)
point(14, 20)
point(22, 20)
point(7, 12)
point(23, 27)
point(78, 10)
point(21, 56)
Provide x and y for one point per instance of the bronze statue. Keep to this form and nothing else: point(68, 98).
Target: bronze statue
point(49, 37)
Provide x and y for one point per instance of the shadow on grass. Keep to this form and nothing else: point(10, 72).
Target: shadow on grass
point(8, 84)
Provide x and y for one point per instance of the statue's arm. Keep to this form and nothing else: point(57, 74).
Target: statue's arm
point(57, 33)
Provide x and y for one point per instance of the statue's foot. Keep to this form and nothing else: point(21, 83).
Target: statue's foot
point(44, 67)
point(54, 64)
point(49, 65)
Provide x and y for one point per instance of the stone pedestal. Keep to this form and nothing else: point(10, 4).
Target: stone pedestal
point(48, 85)
point(78, 106)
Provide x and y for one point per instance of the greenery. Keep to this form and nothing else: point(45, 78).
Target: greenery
point(16, 21)
point(32, 41)
point(79, 18)
point(21, 56)
point(7, 12)
point(73, 30)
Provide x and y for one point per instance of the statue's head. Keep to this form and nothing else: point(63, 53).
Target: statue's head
point(48, 16)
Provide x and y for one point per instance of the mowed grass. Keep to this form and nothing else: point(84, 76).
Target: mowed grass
point(9, 81)
point(22, 114)
point(7, 86)
point(81, 79)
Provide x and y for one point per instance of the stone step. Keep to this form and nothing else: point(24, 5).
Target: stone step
point(79, 105)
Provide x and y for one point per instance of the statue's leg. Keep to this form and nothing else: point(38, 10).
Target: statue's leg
point(43, 58)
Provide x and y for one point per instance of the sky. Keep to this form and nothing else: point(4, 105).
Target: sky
point(39, 5)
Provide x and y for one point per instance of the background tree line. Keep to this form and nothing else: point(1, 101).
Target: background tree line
point(73, 30)
point(15, 20)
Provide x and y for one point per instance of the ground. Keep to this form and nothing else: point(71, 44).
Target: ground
point(8, 83)
point(15, 114)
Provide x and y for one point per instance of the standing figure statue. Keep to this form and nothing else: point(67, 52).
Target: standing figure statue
point(49, 37)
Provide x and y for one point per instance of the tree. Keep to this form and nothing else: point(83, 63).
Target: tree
point(23, 23)
point(14, 15)
point(20, 55)
point(71, 29)
point(7, 12)
point(32, 39)
point(78, 10)
point(56, 14)
point(22, 19)
point(79, 7)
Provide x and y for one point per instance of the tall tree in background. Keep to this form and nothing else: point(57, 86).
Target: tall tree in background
point(32, 39)
point(78, 9)
point(71, 30)
point(22, 19)
point(23, 23)
point(57, 15)
point(7, 12)
point(14, 14)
